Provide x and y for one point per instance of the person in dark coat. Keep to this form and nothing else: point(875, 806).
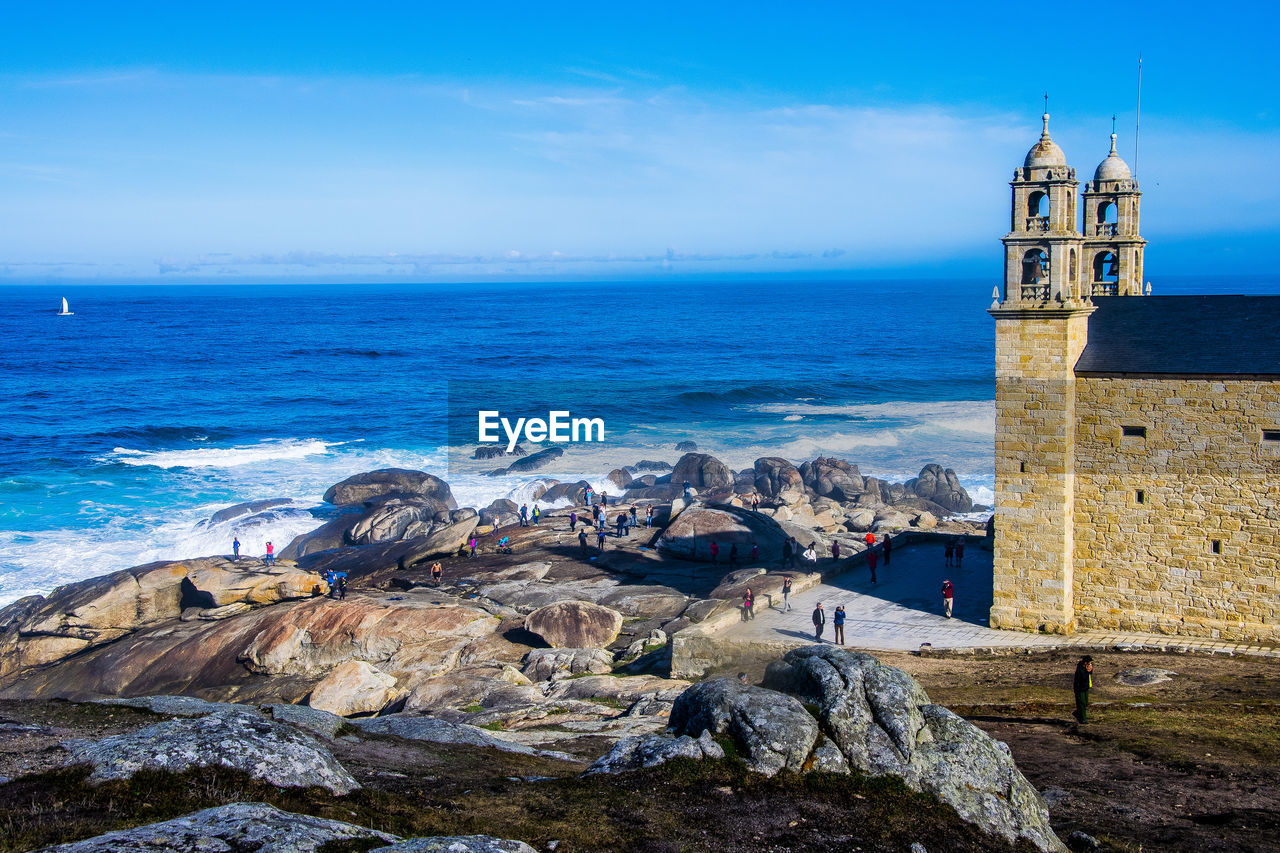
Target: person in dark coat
point(887, 546)
point(819, 622)
point(1082, 684)
point(582, 541)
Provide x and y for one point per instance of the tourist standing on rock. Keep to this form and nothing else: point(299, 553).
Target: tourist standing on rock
point(870, 539)
point(871, 563)
point(715, 553)
point(949, 550)
point(622, 524)
point(1082, 684)
point(582, 541)
point(573, 520)
point(537, 513)
point(587, 495)
point(755, 552)
point(733, 556)
point(837, 623)
point(604, 499)
point(235, 548)
point(271, 554)
point(648, 516)
point(634, 519)
point(811, 553)
point(887, 545)
point(948, 597)
point(959, 552)
point(603, 520)
point(786, 593)
point(835, 551)
point(471, 543)
point(755, 503)
point(524, 515)
point(748, 605)
point(600, 535)
point(342, 585)
point(437, 572)
point(819, 622)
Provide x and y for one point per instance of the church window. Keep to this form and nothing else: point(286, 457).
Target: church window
point(1216, 546)
point(1022, 467)
point(1133, 431)
point(1140, 496)
point(1271, 435)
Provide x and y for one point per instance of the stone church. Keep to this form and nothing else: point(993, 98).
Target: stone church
point(1137, 457)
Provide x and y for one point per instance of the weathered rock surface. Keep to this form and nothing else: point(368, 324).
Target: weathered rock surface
point(777, 479)
point(494, 451)
point(652, 465)
point(620, 478)
point(832, 478)
point(457, 844)
point(884, 724)
point(429, 525)
point(772, 730)
point(554, 664)
point(234, 828)
point(273, 752)
point(533, 461)
point(248, 508)
point(574, 493)
point(370, 485)
point(635, 753)
point(575, 624)
point(90, 613)
point(940, 486)
point(412, 727)
point(1144, 676)
point(702, 471)
point(690, 535)
point(353, 687)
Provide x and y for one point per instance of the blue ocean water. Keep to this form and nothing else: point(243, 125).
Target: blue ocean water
point(126, 425)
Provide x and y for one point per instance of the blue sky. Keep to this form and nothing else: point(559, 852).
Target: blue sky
point(416, 141)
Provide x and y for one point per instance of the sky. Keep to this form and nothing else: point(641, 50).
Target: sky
point(438, 142)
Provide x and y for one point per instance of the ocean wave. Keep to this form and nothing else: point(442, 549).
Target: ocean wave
point(221, 457)
point(753, 392)
point(965, 415)
point(161, 434)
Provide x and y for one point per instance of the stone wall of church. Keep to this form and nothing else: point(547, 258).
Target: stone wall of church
point(1146, 562)
point(1036, 349)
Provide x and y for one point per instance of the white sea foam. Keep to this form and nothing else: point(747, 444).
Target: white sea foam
point(221, 457)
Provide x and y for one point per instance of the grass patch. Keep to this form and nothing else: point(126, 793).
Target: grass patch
point(474, 708)
point(495, 726)
point(608, 702)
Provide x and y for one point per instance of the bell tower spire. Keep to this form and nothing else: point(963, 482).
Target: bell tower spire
point(1113, 245)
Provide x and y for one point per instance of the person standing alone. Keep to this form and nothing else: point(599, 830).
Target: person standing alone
point(819, 622)
point(948, 597)
point(837, 622)
point(786, 593)
point(271, 554)
point(235, 548)
point(887, 545)
point(871, 563)
point(1082, 684)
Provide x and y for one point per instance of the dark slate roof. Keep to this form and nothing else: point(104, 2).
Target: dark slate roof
point(1187, 335)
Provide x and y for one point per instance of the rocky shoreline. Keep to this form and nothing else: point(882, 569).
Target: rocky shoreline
point(546, 648)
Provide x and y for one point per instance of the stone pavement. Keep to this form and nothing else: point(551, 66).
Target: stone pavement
point(903, 612)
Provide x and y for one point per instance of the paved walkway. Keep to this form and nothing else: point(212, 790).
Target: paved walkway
point(903, 612)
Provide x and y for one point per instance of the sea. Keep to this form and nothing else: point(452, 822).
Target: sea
point(128, 424)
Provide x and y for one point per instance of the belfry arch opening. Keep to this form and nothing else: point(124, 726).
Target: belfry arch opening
point(1108, 218)
point(1035, 275)
point(1038, 211)
point(1106, 274)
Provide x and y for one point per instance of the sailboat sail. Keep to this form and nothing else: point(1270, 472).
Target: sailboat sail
point(64, 305)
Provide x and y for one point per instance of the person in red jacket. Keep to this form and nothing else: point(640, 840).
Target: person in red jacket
point(715, 553)
point(871, 563)
point(948, 597)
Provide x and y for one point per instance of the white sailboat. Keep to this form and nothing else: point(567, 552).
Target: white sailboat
point(65, 312)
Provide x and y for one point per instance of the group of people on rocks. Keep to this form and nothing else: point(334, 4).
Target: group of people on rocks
point(337, 582)
point(269, 558)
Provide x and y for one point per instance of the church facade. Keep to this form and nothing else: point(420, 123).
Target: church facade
point(1137, 451)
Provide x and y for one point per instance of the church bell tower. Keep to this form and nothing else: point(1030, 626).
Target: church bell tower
point(1113, 247)
point(1041, 327)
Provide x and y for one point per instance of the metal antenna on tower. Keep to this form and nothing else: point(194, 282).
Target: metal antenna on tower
point(1137, 121)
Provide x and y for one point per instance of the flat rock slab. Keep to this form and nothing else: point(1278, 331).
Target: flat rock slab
point(232, 828)
point(442, 731)
point(273, 752)
point(1144, 676)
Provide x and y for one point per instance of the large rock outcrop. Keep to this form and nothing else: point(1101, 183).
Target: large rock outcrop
point(832, 478)
point(98, 611)
point(353, 687)
point(702, 471)
point(226, 829)
point(777, 479)
point(575, 625)
point(273, 752)
point(690, 535)
point(941, 487)
point(428, 523)
point(640, 751)
point(883, 723)
point(362, 488)
point(772, 730)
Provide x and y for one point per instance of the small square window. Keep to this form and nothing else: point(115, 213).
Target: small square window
point(1022, 467)
point(1271, 435)
point(1134, 431)
point(1216, 546)
point(1140, 496)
